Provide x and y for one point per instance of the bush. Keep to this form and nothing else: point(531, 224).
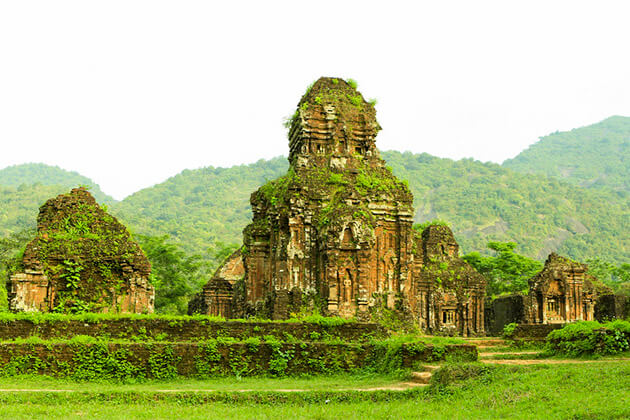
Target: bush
point(452, 373)
point(508, 330)
point(590, 338)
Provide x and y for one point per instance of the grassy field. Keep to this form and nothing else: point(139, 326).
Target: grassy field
point(597, 390)
point(221, 384)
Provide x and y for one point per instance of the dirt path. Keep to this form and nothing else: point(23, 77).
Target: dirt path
point(545, 361)
point(402, 386)
point(508, 352)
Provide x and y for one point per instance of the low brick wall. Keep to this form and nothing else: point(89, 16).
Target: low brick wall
point(412, 354)
point(163, 361)
point(503, 311)
point(186, 330)
point(609, 307)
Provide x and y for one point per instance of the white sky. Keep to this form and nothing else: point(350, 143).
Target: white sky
point(130, 93)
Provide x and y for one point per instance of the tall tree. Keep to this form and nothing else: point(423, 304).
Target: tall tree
point(175, 275)
point(506, 271)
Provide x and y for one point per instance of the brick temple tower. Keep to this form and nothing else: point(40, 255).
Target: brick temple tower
point(335, 234)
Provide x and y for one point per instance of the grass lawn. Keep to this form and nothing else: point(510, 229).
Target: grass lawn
point(315, 383)
point(599, 390)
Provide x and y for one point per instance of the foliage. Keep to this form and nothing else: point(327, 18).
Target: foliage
point(39, 174)
point(615, 276)
point(353, 83)
point(199, 208)
point(419, 227)
point(590, 337)
point(176, 276)
point(595, 156)
point(506, 271)
point(482, 202)
point(508, 330)
point(486, 202)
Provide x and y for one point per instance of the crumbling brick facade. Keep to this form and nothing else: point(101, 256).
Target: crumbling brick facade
point(82, 259)
point(562, 292)
point(335, 234)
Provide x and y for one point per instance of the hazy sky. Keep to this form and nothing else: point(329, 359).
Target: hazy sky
point(130, 93)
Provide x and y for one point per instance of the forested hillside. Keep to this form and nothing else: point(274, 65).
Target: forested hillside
point(484, 201)
point(481, 201)
point(39, 173)
point(204, 209)
point(594, 156)
point(200, 207)
point(19, 206)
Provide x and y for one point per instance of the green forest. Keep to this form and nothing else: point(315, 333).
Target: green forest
point(567, 193)
point(595, 156)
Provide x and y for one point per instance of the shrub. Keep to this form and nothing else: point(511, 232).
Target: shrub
point(508, 330)
point(589, 338)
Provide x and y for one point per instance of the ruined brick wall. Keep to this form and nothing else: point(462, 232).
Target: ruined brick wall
point(174, 330)
point(217, 296)
point(448, 295)
point(506, 310)
point(203, 359)
point(82, 259)
point(611, 306)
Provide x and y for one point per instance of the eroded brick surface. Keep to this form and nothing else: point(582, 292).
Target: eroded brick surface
point(82, 259)
point(335, 234)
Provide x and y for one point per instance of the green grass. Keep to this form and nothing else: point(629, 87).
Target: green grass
point(90, 317)
point(313, 383)
point(587, 391)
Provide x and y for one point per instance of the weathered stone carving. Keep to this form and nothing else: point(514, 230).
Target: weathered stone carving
point(82, 259)
point(335, 234)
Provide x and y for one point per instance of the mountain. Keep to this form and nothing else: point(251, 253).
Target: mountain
point(484, 201)
point(481, 201)
point(39, 173)
point(594, 156)
point(205, 207)
point(19, 206)
point(200, 207)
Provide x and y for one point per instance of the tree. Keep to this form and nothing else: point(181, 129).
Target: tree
point(175, 275)
point(506, 271)
point(11, 251)
point(616, 277)
point(219, 251)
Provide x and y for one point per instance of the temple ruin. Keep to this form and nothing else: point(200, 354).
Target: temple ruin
point(560, 293)
point(335, 234)
point(82, 259)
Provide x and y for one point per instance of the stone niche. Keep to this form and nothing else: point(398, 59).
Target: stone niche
point(335, 233)
point(562, 292)
point(82, 259)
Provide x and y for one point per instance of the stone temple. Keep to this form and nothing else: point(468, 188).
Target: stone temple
point(82, 259)
point(562, 292)
point(336, 233)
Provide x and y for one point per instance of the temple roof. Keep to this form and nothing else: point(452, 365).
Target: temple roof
point(332, 119)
